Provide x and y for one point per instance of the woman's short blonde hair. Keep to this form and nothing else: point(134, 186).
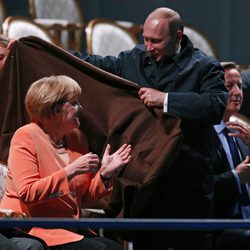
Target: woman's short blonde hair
point(46, 95)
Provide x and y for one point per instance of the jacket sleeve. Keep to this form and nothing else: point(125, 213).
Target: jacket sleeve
point(111, 64)
point(225, 186)
point(207, 103)
point(96, 191)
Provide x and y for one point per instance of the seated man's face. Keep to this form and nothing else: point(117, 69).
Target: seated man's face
point(233, 82)
point(3, 55)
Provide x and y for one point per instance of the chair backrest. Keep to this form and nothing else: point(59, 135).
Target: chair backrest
point(70, 10)
point(134, 28)
point(63, 18)
point(18, 26)
point(2, 14)
point(200, 41)
point(107, 37)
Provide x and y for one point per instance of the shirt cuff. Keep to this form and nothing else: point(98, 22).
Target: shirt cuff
point(237, 179)
point(165, 105)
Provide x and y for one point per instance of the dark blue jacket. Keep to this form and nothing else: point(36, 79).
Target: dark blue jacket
point(195, 84)
point(194, 81)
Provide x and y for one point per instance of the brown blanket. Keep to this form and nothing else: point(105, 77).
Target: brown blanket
point(113, 114)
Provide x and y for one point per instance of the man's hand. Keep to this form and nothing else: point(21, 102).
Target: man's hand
point(243, 131)
point(243, 170)
point(152, 98)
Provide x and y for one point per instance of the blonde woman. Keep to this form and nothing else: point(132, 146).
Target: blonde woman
point(51, 172)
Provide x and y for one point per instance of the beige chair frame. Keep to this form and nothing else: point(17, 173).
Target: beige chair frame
point(57, 27)
point(93, 22)
point(205, 39)
point(33, 13)
point(27, 20)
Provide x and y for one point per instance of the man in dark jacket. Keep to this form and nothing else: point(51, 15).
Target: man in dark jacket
point(184, 82)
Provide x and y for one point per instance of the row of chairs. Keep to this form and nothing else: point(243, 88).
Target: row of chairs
point(63, 34)
point(103, 36)
point(62, 23)
point(58, 22)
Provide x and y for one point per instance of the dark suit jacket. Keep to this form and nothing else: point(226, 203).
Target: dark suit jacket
point(226, 190)
point(196, 94)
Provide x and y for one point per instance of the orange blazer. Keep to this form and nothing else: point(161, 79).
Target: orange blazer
point(37, 183)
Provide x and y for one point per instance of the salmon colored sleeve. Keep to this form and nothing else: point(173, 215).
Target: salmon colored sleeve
point(96, 191)
point(29, 185)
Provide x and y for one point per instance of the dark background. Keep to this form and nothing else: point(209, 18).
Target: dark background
point(225, 22)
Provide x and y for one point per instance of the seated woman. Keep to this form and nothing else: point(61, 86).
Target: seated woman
point(51, 172)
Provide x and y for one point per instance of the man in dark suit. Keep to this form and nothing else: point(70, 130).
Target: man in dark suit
point(232, 174)
point(184, 82)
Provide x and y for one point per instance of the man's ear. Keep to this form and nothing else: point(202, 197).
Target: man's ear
point(179, 35)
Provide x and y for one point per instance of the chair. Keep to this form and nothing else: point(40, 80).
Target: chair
point(200, 41)
point(18, 26)
point(2, 14)
point(63, 19)
point(134, 28)
point(107, 37)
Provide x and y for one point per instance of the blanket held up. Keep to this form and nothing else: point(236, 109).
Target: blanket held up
point(113, 113)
